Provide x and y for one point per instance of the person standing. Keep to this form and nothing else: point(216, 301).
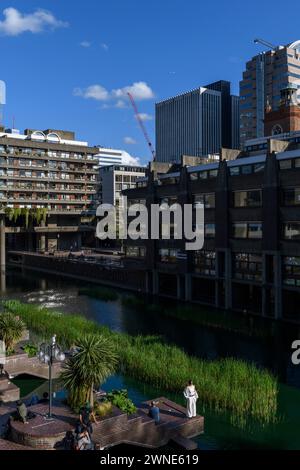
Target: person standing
point(154, 412)
point(191, 396)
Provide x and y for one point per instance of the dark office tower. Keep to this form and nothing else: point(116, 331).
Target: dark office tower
point(235, 122)
point(224, 88)
point(196, 123)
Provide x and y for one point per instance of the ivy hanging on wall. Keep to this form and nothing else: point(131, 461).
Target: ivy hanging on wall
point(26, 215)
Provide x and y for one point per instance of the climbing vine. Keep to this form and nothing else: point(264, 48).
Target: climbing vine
point(26, 215)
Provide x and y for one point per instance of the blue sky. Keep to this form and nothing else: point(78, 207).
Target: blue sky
point(69, 66)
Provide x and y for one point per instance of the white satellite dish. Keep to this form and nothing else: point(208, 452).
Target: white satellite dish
point(2, 92)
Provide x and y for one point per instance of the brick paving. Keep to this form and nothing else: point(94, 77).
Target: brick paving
point(116, 428)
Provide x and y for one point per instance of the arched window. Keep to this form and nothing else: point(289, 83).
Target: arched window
point(38, 135)
point(53, 137)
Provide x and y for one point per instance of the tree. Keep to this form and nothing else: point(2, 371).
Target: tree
point(94, 361)
point(11, 329)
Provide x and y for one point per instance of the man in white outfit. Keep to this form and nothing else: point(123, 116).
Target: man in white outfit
point(191, 396)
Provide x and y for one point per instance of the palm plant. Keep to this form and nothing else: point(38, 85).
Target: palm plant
point(11, 329)
point(94, 361)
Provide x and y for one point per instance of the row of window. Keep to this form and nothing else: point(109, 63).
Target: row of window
point(289, 164)
point(40, 174)
point(41, 153)
point(11, 186)
point(245, 266)
point(249, 198)
point(26, 196)
point(203, 175)
point(51, 207)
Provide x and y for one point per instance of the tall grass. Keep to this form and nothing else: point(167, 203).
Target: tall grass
point(226, 384)
point(101, 293)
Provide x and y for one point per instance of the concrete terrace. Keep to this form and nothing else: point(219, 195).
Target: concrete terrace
point(117, 428)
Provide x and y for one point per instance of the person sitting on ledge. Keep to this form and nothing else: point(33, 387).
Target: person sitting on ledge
point(154, 412)
point(22, 411)
point(84, 441)
point(3, 372)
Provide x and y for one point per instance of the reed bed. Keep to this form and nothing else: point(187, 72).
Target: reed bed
point(226, 384)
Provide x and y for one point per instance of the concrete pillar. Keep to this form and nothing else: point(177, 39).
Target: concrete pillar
point(2, 255)
point(263, 289)
point(30, 241)
point(42, 242)
point(188, 287)
point(147, 282)
point(228, 280)
point(155, 282)
point(178, 291)
point(216, 294)
point(278, 285)
point(42, 246)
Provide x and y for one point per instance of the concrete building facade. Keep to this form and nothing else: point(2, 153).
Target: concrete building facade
point(266, 74)
point(48, 184)
point(250, 261)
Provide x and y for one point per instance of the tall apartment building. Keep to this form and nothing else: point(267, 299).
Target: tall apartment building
point(116, 178)
point(196, 123)
point(48, 184)
point(113, 180)
point(265, 76)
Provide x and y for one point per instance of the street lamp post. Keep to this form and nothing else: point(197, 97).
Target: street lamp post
point(47, 354)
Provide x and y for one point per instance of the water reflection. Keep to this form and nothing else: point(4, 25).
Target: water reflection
point(272, 351)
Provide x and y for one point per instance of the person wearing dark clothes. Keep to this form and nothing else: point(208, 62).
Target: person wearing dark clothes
point(34, 400)
point(154, 412)
point(3, 372)
point(45, 398)
point(68, 442)
point(86, 413)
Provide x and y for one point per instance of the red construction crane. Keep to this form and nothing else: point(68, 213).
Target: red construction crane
point(138, 117)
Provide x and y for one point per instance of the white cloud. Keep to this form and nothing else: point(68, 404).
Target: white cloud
point(139, 90)
point(95, 92)
point(129, 141)
point(119, 98)
point(85, 44)
point(104, 46)
point(129, 160)
point(145, 117)
point(121, 104)
point(16, 23)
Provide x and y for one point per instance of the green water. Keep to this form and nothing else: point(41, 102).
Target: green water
point(271, 349)
point(28, 384)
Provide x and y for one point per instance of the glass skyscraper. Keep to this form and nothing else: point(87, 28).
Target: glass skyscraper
point(197, 123)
